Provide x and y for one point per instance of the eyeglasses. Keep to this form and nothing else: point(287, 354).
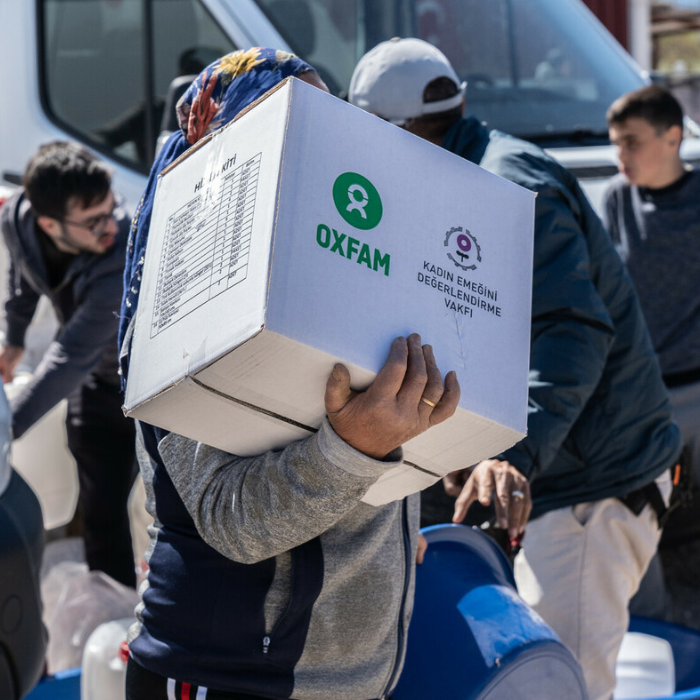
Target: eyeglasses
point(96, 224)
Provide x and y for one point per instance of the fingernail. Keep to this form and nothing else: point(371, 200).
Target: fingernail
point(335, 372)
point(504, 523)
point(512, 532)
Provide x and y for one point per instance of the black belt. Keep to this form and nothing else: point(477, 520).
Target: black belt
point(682, 378)
point(650, 494)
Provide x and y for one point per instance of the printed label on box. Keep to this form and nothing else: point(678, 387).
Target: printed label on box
point(205, 251)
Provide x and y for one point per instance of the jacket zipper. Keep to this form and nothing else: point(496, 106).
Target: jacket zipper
point(407, 574)
point(44, 290)
point(267, 639)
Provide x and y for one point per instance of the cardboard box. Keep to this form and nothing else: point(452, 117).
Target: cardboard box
point(309, 232)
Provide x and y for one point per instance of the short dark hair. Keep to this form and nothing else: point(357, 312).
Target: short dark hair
point(437, 125)
point(62, 171)
point(652, 103)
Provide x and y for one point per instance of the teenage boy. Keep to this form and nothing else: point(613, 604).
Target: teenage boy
point(652, 211)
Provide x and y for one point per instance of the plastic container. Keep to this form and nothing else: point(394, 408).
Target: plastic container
point(63, 686)
point(685, 644)
point(42, 457)
point(104, 662)
point(77, 602)
point(5, 442)
point(645, 668)
point(472, 637)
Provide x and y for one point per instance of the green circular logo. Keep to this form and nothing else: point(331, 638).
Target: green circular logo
point(357, 201)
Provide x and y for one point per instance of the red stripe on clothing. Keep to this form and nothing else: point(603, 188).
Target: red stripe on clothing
point(185, 692)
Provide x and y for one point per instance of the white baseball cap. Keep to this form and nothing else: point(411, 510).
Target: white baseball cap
point(390, 79)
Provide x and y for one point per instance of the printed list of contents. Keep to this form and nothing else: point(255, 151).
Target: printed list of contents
point(206, 246)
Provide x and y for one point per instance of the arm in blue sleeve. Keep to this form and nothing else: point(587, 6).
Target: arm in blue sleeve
point(571, 333)
point(75, 352)
point(22, 300)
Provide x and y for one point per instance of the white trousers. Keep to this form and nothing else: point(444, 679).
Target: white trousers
point(578, 568)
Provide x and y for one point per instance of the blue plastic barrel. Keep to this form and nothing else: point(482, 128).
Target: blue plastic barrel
point(472, 637)
point(65, 685)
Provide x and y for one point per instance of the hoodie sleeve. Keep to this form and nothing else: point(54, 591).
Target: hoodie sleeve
point(572, 332)
point(76, 351)
point(22, 298)
point(20, 306)
point(253, 508)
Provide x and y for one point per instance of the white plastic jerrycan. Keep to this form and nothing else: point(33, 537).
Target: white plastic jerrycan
point(42, 457)
point(104, 662)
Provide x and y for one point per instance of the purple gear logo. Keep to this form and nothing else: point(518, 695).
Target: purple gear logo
point(464, 251)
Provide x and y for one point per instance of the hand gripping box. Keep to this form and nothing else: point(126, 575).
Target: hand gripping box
point(309, 232)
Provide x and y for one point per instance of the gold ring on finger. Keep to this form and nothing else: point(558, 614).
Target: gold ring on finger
point(428, 401)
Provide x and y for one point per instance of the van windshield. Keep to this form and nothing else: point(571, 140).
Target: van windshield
point(540, 69)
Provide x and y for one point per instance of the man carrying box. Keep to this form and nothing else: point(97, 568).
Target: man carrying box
point(600, 428)
point(66, 236)
point(268, 577)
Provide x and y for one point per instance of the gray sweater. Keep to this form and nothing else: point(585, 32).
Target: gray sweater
point(657, 233)
point(268, 575)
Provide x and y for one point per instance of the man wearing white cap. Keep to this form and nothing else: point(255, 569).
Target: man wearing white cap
point(601, 439)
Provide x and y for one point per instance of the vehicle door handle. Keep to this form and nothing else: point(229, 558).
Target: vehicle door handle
point(12, 178)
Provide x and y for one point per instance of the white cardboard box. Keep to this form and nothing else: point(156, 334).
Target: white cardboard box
point(309, 232)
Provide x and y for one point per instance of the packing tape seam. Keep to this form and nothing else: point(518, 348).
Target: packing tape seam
point(253, 407)
point(277, 416)
point(422, 469)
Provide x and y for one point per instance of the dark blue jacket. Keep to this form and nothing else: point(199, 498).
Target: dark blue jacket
point(599, 422)
point(86, 303)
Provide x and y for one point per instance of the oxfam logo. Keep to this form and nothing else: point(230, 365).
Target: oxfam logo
point(357, 201)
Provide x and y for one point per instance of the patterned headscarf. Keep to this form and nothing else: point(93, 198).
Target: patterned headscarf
point(220, 92)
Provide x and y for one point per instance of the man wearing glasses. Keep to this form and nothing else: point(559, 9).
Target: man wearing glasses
point(67, 239)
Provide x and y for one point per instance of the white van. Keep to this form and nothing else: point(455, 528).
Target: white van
point(101, 71)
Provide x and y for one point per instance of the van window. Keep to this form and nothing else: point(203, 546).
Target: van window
point(540, 69)
point(99, 84)
point(333, 34)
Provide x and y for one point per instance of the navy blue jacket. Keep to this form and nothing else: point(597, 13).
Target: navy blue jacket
point(599, 422)
point(86, 303)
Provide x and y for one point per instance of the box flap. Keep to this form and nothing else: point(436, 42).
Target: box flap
point(195, 411)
